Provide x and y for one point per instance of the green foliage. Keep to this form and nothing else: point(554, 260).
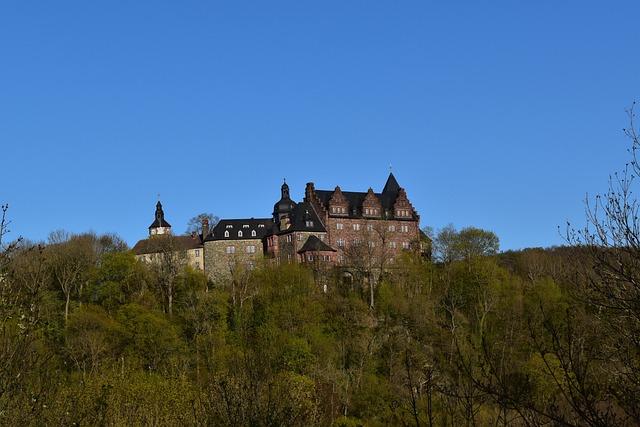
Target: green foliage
point(479, 339)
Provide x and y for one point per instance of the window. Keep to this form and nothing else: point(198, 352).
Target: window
point(289, 238)
point(300, 236)
point(372, 244)
point(321, 237)
point(229, 226)
point(260, 225)
point(392, 245)
point(310, 257)
point(197, 252)
point(231, 249)
point(369, 227)
point(356, 227)
point(404, 228)
point(405, 245)
point(239, 233)
point(340, 243)
point(245, 225)
point(339, 226)
point(253, 233)
point(251, 249)
point(356, 241)
point(309, 223)
point(226, 234)
point(392, 228)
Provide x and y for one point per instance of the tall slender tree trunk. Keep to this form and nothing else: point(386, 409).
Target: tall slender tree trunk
point(66, 306)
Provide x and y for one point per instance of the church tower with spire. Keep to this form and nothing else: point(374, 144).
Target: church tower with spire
point(159, 226)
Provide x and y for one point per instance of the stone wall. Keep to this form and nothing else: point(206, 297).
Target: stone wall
point(220, 265)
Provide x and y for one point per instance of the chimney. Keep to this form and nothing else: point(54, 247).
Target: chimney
point(205, 227)
point(309, 190)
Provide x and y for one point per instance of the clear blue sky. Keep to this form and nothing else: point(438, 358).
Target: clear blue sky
point(500, 114)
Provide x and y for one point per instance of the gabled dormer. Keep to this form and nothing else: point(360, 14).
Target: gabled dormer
point(338, 204)
point(402, 208)
point(371, 206)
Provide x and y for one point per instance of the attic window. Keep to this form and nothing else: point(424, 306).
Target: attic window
point(245, 226)
point(260, 225)
point(309, 223)
point(229, 226)
point(226, 233)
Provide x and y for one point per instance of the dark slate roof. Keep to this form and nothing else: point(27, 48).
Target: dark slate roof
point(302, 213)
point(355, 198)
point(158, 243)
point(262, 227)
point(161, 222)
point(159, 218)
point(314, 244)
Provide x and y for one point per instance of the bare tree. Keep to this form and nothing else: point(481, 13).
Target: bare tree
point(369, 255)
point(169, 261)
point(194, 225)
point(612, 285)
point(69, 262)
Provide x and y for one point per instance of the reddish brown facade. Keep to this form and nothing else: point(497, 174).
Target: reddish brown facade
point(381, 225)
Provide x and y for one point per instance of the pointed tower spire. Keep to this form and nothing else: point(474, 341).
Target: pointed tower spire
point(392, 185)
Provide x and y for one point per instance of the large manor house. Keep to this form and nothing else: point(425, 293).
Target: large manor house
point(327, 228)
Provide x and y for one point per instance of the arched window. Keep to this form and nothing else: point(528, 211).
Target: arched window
point(253, 233)
point(240, 233)
point(226, 234)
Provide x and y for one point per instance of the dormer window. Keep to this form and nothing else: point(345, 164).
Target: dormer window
point(245, 226)
point(253, 233)
point(229, 226)
point(239, 233)
point(226, 233)
point(338, 210)
point(260, 225)
point(309, 223)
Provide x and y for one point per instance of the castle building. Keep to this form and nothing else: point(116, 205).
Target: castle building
point(347, 223)
point(161, 244)
point(328, 227)
point(234, 246)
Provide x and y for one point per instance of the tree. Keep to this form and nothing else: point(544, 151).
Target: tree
point(466, 244)
point(69, 262)
point(194, 225)
point(369, 256)
point(610, 282)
